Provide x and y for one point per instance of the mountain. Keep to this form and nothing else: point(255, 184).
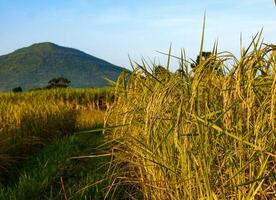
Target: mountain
point(33, 66)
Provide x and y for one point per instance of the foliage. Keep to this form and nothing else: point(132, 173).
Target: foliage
point(204, 56)
point(59, 82)
point(17, 89)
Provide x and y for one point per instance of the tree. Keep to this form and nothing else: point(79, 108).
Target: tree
point(17, 89)
point(205, 56)
point(210, 60)
point(161, 72)
point(59, 82)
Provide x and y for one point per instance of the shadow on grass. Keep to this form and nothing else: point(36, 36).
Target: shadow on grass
point(43, 176)
point(34, 131)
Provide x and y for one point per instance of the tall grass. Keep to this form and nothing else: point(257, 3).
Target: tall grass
point(30, 120)
point(29, 125)
point(89, 98)
point(208, 133)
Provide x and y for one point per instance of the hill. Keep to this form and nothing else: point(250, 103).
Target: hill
point(33, 66)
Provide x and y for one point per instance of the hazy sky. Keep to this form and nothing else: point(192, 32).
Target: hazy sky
point(112, 29)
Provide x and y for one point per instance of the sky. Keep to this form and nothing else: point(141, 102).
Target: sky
point(115, 29)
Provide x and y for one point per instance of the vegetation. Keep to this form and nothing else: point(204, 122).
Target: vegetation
point(59, 82)
point(44, 175)
point(92, 98)
point(204, 56)
point(205, 132)
point(199, 134)
point(17, 89)
point(30, 120)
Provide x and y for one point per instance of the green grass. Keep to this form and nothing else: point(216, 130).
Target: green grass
point(39, 177)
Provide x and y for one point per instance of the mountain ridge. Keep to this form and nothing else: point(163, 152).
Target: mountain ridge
point(33, 66)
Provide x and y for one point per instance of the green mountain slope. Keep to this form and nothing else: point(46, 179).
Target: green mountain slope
point(32, 67)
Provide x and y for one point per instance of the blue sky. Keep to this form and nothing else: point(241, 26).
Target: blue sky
point(112, 29)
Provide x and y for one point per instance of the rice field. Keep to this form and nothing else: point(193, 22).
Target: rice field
point(30, 120)
point(206, 131)
point(202, 133)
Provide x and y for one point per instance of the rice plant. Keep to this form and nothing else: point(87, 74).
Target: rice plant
point(206, 133)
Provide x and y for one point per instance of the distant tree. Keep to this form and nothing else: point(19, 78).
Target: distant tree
point(59, 82)
point(17, 89)
point(211, 63)
point(205, 55)
point(161, 72)
point(180, 73)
